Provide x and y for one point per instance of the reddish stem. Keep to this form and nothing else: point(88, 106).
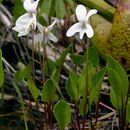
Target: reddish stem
point(86, 92)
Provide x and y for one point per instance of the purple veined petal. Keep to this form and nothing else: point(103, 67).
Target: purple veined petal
point(90, 13)
point(89, 31)
point(40, 27)
point(74, 29)
point(52, 37)
point(38, 38)
point(51, 26)
point(81, 12)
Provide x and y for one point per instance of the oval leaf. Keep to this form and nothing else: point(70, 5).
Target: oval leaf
point(33, 89)
point(81, 108)
point(45, 7)
point(48, 92)
point(62, 114)
point(60, 9)
point(78, 59)
point(72, 86)
point(112, 63)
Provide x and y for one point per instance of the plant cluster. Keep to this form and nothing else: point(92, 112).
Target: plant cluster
point(83, 89)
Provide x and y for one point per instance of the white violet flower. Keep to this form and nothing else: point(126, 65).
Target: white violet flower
point(82, 26)
point(27, 21)
point(38, 38)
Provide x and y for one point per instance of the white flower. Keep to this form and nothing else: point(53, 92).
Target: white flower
point(30, 7)
point(45, 31)
point(25, 22)
point(82, 26)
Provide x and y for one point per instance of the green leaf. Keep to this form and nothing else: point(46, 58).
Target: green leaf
point(48, 92)
point(49, 65)
point(81, 107)
point(72, 86)
point(56, 75)
point(1, 1)
point(69, 89)
point(45, 7)
point(21, 101)
point(113, 98)
point(97, 80)
point(23, 73)
point(52, 11)
point(81, 59)
point(112, 63)
point(71, 3)
point(19, 76)
point(62, 114)
point(1, 70)
point(60, 9)
point(61, 60)
point(57, 86)
point(42, 21)
point(18, 9)
point(93, 56)
point(82, 79)
point(116, 84)
point(78, 59)
point(33, 89)
point(115, 81)
point(27, 71)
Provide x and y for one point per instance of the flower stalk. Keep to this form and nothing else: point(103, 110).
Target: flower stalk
point(33, 64)
point(86, 89)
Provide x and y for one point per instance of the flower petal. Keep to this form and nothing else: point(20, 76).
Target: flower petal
point(34, 5)
point(29, 6)
point(22, 30)
point(25, 20)
point(52, 37)
point(23, 33)
point(81, 34)
point(73, 29)
point(81, 12)
point(17, 29)
point(40, 27)
point(51, 26)
point(38, 38)
point(90, 13)
point(89, 31)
